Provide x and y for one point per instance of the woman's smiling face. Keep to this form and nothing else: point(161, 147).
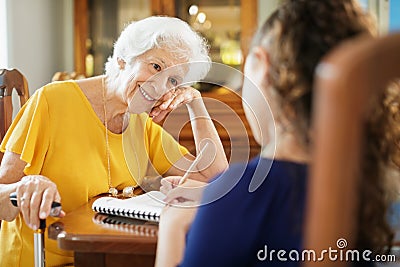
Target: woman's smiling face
point(149, 77)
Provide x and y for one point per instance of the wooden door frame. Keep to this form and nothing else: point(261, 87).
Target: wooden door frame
point(81, 25)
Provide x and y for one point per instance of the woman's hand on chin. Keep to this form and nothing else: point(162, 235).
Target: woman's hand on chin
point(172, 100)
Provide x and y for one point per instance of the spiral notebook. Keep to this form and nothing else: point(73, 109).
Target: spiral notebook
point(144, 207)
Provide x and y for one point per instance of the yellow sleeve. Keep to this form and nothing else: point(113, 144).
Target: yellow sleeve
point(28, 134)
point(164, 150)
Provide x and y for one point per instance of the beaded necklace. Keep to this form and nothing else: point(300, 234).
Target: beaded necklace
point(127, 191)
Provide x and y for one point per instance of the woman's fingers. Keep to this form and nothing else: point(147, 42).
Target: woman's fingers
point(171, 96)
point(185, 95)
point(173, 100)
point(24, 205)
point(35, 195)
point(48, 197)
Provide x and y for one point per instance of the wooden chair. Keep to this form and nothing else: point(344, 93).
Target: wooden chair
point(9, 80)
point(351, 75)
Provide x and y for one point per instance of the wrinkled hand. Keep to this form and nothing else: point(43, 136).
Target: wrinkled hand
point(172, 100)
point(35, 194)
point(190, 190)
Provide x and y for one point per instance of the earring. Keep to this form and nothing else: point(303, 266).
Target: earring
point(121, 63)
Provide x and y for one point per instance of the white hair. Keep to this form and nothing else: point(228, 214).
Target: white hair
point(169, 33)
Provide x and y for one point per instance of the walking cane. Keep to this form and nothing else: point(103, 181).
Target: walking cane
point(38, 235)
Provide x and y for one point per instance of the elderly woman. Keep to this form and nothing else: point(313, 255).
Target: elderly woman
point(74, 140)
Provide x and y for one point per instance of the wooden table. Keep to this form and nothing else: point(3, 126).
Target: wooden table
point(96, 243)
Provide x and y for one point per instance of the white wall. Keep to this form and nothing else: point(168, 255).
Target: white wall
point(3, 34)
point(40, 38)
point(265, 8)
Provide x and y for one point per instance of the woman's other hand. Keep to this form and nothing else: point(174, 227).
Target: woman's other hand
point(35, 194)
point(172, 100)
point(190, 190)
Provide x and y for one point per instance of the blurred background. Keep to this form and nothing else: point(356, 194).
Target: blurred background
point(41, 37)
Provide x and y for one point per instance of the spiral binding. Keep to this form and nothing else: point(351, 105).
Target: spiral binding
point(135, 214)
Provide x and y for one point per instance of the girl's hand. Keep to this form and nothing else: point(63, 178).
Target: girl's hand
point(173, 100)
point(174, 224)
point(179, 217)
point(190, 190)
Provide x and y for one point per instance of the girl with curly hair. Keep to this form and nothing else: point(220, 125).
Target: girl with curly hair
point(251, 212)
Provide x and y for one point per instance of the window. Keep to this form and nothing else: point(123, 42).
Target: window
point(379, 9)
point(394, 15)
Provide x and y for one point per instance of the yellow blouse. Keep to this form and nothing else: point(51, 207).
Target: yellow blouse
point(60, 136)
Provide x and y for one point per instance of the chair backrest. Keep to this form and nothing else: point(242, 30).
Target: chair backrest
point(351, 75)
point(9, 80)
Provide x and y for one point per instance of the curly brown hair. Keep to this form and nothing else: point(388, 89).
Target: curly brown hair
point(381, 161)
point(297, 36)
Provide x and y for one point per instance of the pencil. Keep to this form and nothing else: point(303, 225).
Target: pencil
point(194, 163)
